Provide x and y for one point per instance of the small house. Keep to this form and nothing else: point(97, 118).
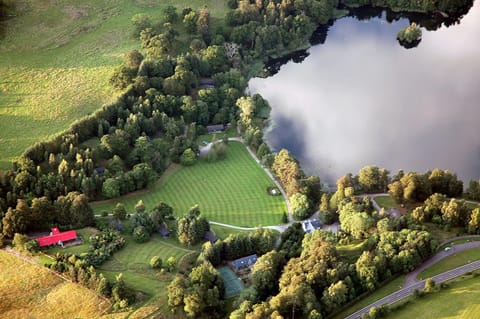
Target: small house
point(163, 230)
point(57, 237)
point(244, 262)
point(99, 170)
point(207, 83)
point(311, 225)
point(210, 236)
point(215, 128)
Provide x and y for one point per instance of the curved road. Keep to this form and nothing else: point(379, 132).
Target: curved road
point(412, 283)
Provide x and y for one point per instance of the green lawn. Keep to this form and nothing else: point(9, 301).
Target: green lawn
point(352, 251)
point(57, 58)
point(133, 262)
point(383, 291)
point(386, 202)
point(451, 262)
point(461, 300)
point(231, 132)
point(223, 232)
point(232, 191)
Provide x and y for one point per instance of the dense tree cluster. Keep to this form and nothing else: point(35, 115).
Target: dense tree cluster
point(192, 227)
point(70, 211)
point(199, 295)
point(79, 271)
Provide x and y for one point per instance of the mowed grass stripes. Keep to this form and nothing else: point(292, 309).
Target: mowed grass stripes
point(232, 191)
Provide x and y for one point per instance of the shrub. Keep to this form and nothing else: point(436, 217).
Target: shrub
point(156, 262)
point(140, 234)
point(31, 246)
point(19, 241)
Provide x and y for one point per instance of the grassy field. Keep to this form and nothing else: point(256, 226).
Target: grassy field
point(352, 251)
point(386, 202)
point(231, 191)
point(451, 262)
point(30, 291)
point(461, 300)
point(57, 58)
point(133, 262)
point(383, 291)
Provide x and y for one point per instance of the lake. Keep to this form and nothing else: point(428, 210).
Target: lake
point(362, 99)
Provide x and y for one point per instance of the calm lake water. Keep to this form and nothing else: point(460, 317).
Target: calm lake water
point(361, 99)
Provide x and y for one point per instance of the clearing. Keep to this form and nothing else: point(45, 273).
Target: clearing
point(232, 191)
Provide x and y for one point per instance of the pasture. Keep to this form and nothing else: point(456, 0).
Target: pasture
point(232, 191)
point(31, 291)
point(57, 58)
point(461, 300)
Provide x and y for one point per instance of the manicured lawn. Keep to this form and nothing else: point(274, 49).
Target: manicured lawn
point(133, 262)
point(57, 58)
point(461, 300)
point(386, 202)
point(451, 262)
point(223, 232)
point(232, 191)
point(389, 288)
point(231, 132)
point(31, 291)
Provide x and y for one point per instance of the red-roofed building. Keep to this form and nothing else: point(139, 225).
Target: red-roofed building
point(57, 237)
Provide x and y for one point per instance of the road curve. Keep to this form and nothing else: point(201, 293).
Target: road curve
point(407, 291)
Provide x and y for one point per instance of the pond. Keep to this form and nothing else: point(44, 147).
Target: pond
point(362, 99)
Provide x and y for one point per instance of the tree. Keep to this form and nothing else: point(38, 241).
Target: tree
point(19, 241)
point(300, 206)
point(141, 234)
point(111, 188)
point(203, 23)
point(455, 213)
point(288, 171)
point(140, 207)
point(192, 227)
point(474, 222)
point(429, 285)
point(373, 179)
point(120, 212)
point(170, 14)
point(171, 263)
point(156, 262)
point(410, 36)
point(188, 157)
point(395, 190)
point(140, 22)
point(266, 272)
point(201, 295)
point(15, 221)
point(190, 21)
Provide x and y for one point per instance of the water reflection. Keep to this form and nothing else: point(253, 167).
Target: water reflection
point(362, 99)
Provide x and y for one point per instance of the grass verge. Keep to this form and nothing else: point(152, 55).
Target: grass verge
point(451, 262)
point(460, 300)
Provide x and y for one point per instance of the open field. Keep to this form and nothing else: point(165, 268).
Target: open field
point(133, 262)
point(461, 300)
point(232, 191)
point(57, 58)
point(451, 262)
point(381, 292)
point(386, 202)
point(30, 291)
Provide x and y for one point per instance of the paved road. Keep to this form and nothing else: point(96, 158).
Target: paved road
point(419, 285)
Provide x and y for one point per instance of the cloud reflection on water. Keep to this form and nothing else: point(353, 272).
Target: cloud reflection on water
point(362, 99)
